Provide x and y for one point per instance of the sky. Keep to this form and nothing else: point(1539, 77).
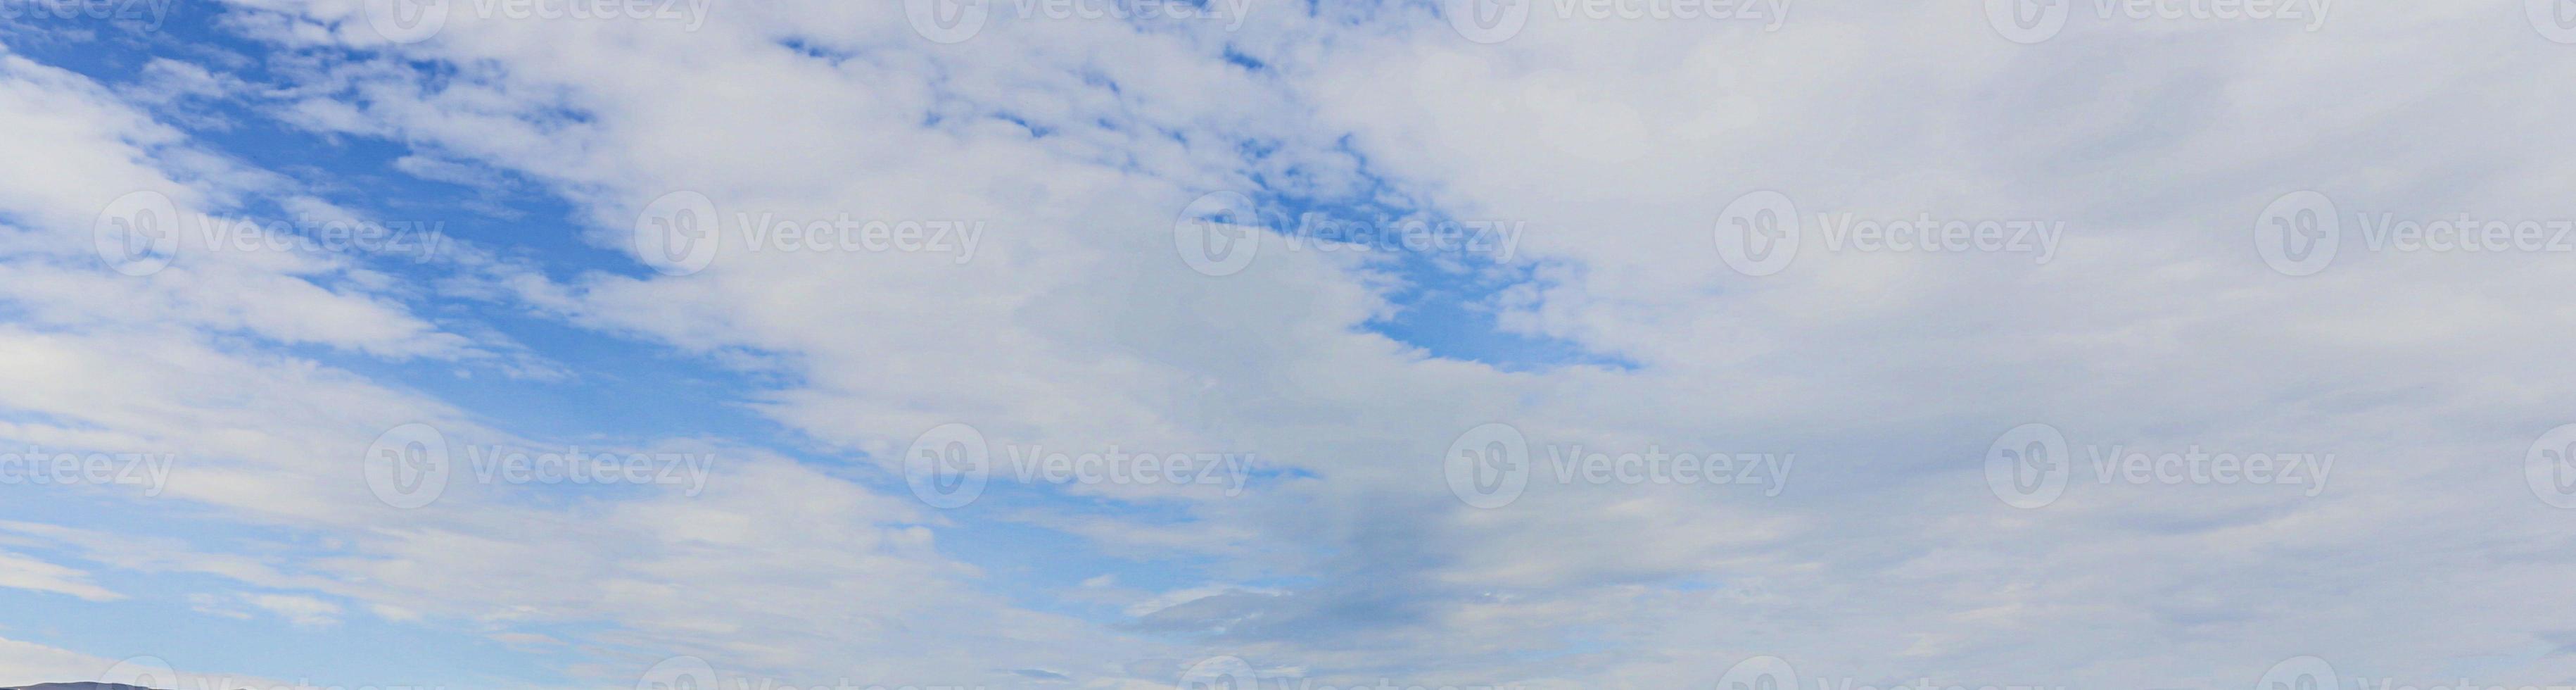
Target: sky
point(1269, 344)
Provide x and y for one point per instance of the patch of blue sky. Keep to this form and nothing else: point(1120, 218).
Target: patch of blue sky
point(197, 624)
point(1449, 273)
point(622, 390)
point(1044, 569)
point(165, 609)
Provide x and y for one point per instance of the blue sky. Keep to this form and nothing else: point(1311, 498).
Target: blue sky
point(603, 387)
point(1141, 345)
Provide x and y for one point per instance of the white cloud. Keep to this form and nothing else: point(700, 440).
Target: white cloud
point(23, 572)
point(1620, 143)
point(300, 610)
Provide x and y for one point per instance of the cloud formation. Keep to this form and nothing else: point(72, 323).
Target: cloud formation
point(1252, 231)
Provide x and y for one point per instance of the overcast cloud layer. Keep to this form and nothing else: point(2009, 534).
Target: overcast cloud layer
point(1146, 344)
